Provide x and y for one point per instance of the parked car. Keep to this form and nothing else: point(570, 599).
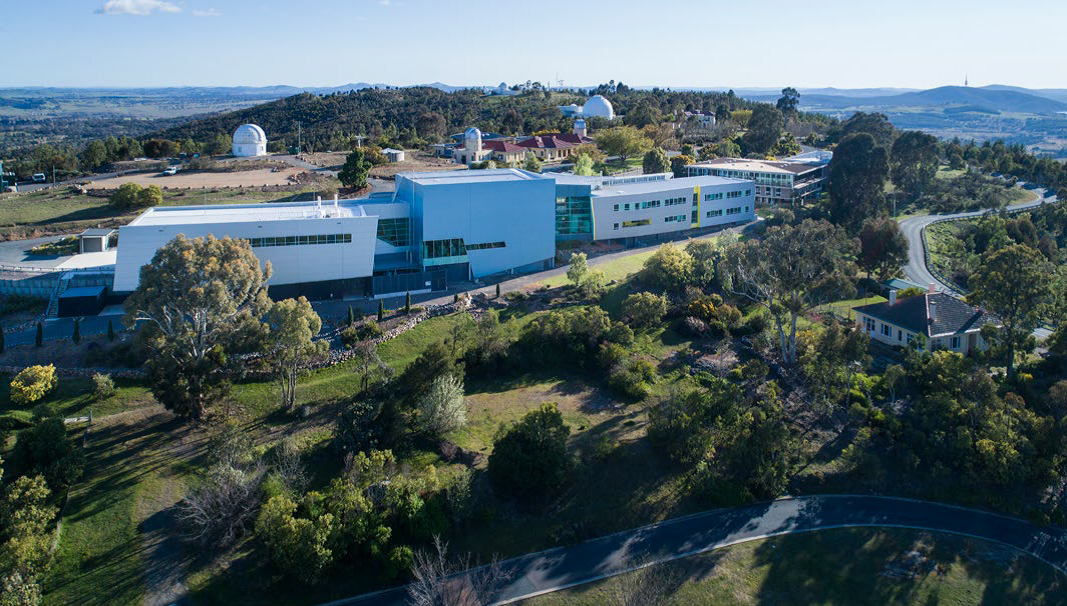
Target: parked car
point(39, 178)
point(171, 170)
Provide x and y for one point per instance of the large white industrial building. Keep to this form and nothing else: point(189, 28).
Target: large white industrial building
point(249, 140)
point(440, 227)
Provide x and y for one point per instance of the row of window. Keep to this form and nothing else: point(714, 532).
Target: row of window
point(714, 196)
point(486, 245)
point(887, 331)
point(300, 240)
point(675, 201)
point(436, 249)
point(673, 218)
point(733, 194)
point(734, 211)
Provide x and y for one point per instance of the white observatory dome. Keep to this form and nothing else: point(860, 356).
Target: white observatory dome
point(472, 139)
point(599, 107)
point(249, 140)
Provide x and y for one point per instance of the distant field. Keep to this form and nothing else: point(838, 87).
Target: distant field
point(63, 211)
point(198, 179)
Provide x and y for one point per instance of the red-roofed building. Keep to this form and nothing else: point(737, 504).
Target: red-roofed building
point(551, 148)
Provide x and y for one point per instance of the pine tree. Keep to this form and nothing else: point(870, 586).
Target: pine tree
point(77, 336)
point(110, 331)
point(381, 310)
point(39, 340)
point(351, 316)
point(407, 303)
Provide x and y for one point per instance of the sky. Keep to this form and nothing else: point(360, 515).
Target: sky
point(667, 43)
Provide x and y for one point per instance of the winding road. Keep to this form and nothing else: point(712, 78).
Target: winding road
point(564, 567)
point(916, 270)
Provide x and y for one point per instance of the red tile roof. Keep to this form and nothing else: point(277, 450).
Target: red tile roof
point(506, 147)
point(564, 141)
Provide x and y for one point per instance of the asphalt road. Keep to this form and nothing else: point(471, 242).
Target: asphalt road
point(916, 270)
point(563, 567)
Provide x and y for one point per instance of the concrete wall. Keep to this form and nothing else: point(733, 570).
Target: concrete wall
point(290, 264)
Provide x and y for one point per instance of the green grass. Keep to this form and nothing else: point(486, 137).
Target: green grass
point(615, 269)
point(74, 398)
point(851, 567)
point(843, 308)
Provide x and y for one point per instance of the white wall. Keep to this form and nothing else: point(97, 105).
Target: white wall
point(605, 216)
point(290, 264)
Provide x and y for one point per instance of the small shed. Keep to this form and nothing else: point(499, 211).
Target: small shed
point(95, 240)
point(82, 301)
point(394, 155)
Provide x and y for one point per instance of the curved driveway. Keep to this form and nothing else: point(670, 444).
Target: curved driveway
point(916, 270)
point(563, 567)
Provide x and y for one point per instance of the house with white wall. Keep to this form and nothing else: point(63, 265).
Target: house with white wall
point(941, 320)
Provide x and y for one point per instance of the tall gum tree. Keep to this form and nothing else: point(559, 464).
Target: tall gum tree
point(198, 300)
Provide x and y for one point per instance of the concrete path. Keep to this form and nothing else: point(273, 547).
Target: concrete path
point(563, 567)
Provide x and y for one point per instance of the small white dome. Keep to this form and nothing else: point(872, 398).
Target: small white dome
point(503, 86)
point(249, 134)
point(472, 133)
point(579, 123)
point(598, 106)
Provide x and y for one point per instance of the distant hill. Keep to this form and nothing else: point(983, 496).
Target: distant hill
point(984, 99)
point(1056, 94)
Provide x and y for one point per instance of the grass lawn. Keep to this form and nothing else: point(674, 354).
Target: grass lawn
point(843, 309)
point(844, 567)
point(74, 398)
point(615, 269)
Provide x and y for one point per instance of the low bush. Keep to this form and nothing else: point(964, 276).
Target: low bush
point(32, 384)
point(103, 387)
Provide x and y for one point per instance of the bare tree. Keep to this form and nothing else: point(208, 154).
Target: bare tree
point(220, 510)
point(289, 469)
point(439, 581)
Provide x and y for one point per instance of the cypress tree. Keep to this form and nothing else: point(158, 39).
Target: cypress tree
point(381, 310)
point(351, 316)
point(1, 340)
point(39, 340)
point(77, 336)
point(407, 303)
point(110, 331)
point(498, 290)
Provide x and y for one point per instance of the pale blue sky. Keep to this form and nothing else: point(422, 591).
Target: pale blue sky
point(737, 43)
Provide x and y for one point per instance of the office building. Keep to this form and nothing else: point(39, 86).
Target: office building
point(777, 182)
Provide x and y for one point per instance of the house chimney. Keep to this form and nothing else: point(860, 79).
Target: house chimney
point(933, 311)
point(893, 297)
point(932, 288)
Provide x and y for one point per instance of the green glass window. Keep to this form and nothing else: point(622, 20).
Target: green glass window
point(574, 215)
point(395, 231)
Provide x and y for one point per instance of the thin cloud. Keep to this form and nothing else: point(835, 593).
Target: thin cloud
point(211, 12)
point(137, 7)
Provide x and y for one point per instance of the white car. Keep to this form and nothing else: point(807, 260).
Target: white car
point(171, 170)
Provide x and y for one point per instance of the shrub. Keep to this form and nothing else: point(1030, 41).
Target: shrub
point(32, 384)
point(46, 449)
point(632, 379)
point(442, 409)
point(694, 326)
point(103, 387)
point(530, 459)
point(644, 308)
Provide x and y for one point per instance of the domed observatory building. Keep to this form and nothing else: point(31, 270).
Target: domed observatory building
point(249, 140)
point(595, 107)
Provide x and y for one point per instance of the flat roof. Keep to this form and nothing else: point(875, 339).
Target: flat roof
point(454, 177)
point(242, 213)
point(98, 231)
point(759, 166)
point(645, 187)
point(82, 291)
